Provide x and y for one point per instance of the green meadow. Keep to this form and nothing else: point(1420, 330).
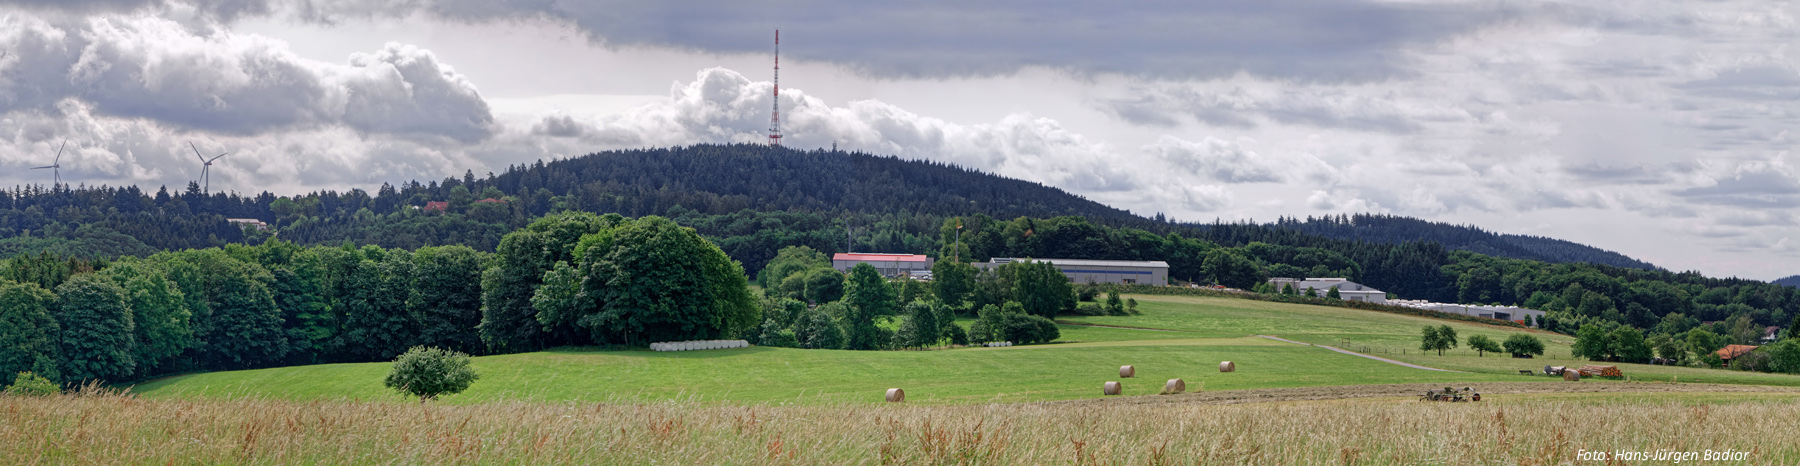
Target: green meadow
point(1175, 337)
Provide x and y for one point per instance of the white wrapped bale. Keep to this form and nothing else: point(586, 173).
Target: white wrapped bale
point(895, 395)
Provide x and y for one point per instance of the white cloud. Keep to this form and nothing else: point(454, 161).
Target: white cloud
point(216, 81)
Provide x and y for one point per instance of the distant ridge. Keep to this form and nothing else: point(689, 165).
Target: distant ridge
point(1793, 281)
point(1395, 229)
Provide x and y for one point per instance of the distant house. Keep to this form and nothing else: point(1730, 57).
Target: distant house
point(1771, 334)
point(1347, 290)
point(244, 222)
point(437, 206)
point(1097, 271)
point(890, 265)
point(1730, 352)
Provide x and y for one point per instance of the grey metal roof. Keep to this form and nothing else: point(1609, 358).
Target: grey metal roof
point(1089, 263)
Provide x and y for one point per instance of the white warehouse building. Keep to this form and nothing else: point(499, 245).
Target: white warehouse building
point(1525, 316)
point(1347, 290)
point(1082, 271)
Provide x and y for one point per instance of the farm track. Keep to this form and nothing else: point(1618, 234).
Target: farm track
point(1353, 353)
point(1412, 390)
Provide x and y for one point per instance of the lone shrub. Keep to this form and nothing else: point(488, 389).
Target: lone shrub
point(429, 372)
point(1523, 346)
point(29, 384)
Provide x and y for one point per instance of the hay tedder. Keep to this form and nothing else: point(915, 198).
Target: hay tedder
point(1451, 394)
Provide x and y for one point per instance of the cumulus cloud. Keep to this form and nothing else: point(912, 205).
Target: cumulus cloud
point(154, 68)
point(1221, 160)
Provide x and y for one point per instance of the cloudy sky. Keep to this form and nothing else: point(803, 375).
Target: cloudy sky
point(1660, 129)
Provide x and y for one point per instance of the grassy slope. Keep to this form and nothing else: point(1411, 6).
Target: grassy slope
point(1207, 330)
point(1392, 336)
point(971, 375)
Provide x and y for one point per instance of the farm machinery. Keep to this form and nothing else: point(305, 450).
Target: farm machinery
point(1451, 394)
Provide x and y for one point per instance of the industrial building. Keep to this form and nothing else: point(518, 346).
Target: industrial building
point(1521, 315)
point(890, 265)
point(1347, 290)
point(1099, 271)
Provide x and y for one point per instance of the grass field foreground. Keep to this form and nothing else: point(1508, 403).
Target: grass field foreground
point(111, 429)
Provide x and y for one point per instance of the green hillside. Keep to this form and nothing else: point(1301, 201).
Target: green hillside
point(1196, 334)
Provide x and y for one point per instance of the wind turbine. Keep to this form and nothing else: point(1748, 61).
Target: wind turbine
point(205, 171)
point(56, 165)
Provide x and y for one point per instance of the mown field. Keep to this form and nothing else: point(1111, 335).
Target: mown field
point(781, 375)
point(1196, 334)
point(1391, 336)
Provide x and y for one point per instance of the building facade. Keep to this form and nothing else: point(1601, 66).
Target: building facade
point(1081, 271)
point(1528, 317)
point(890, 265)
point(1347, 290)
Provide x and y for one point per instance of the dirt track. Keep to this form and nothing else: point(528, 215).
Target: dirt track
point(1413, 390)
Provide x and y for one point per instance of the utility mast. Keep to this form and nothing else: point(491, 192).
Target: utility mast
point(775, 118)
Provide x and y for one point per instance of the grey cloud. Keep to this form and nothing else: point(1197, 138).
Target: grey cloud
point(220, 9)
point(561, 126)
point(1764, 188)
point(1354, 109)
point(1755, 83)
point(1219, 160)
point(1306, 39)
point(145, 67)
point(1618, 174)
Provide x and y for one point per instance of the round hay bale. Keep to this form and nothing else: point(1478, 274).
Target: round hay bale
point(1571, 376)
point(1174, 386)
point(1227, 366)
point(1111, 388)
point(895, 395)
point(1126, 372)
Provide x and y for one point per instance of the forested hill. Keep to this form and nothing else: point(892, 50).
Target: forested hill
point(1793, 281)
point(894, 205)
point(1394, 229)
point(721, 179)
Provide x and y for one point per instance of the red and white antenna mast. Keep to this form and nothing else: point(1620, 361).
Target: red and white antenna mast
point(775, 118)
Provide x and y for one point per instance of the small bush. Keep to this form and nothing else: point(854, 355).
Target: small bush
point(1090, 309)
point(29, 384)
point(429, 372)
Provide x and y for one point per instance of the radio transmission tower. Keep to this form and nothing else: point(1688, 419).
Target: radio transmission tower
point(775, 118)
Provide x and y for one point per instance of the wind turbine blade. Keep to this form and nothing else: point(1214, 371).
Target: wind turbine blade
point(59, 152)
point(219, 157)
point(196, 151)
point(40, 168)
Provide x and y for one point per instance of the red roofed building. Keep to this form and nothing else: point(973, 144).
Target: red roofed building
point(437, 206)
point(1730, 352)
point(892, 265)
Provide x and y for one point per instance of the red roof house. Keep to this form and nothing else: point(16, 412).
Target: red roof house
point(1730, 352)
point(437, 206)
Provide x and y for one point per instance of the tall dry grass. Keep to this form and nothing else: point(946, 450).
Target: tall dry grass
point(109, 428)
